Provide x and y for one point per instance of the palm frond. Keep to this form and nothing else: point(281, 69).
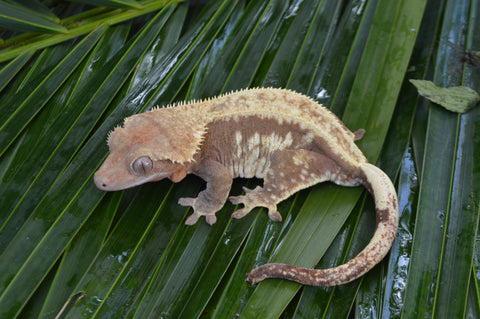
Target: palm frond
point(70, 250)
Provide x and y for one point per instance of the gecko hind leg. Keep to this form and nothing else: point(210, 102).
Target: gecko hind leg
point(289, 172)
point(253, 198)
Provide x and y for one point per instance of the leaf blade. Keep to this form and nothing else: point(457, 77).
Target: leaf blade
point(19, 18)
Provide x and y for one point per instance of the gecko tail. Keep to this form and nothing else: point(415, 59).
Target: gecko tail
point(386, 208)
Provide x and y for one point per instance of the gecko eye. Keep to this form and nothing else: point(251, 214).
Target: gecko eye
point(142, 165)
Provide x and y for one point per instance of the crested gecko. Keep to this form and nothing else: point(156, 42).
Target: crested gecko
point(280, 136)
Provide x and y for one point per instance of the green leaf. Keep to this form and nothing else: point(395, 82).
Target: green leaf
point(19, 18)
point(36, 7)
point(70, 250)
point(68, 222)
point(112, 3)
point(457, 99)
point(27, 177)
point(78, 25)
point(446, 222)
point(13, 124)
point(11, 69)
point(77, 258)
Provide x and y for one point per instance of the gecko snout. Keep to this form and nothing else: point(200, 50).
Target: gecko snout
point(100, 182)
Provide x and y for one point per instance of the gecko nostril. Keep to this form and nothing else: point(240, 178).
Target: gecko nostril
point(104, 185)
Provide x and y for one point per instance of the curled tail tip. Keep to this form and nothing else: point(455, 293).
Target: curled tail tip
point(252, 278)
point(252, 281)
point(304, 276)
point(260, 273)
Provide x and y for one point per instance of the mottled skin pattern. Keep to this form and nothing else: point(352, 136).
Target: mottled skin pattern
point(281, 136)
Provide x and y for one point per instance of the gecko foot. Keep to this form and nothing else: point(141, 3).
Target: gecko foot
point(192, 219)
point(186, 201)
point(239, 213)
point(254, 198)
point(210, 217)
point(274, 215)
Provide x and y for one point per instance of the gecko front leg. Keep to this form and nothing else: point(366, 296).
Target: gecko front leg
point(209, 201)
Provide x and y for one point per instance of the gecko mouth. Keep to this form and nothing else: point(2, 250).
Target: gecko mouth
point(111, 183)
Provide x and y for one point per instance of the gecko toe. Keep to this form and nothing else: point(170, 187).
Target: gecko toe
point(248, 190)
point(199, 209)
point(192, 219)
point(236, 199)
point(241, 213)
point(274, 215)
point(211, 219)
point(186, 201)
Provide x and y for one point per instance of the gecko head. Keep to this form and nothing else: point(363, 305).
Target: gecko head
point(142, 151)
point(116, 174)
